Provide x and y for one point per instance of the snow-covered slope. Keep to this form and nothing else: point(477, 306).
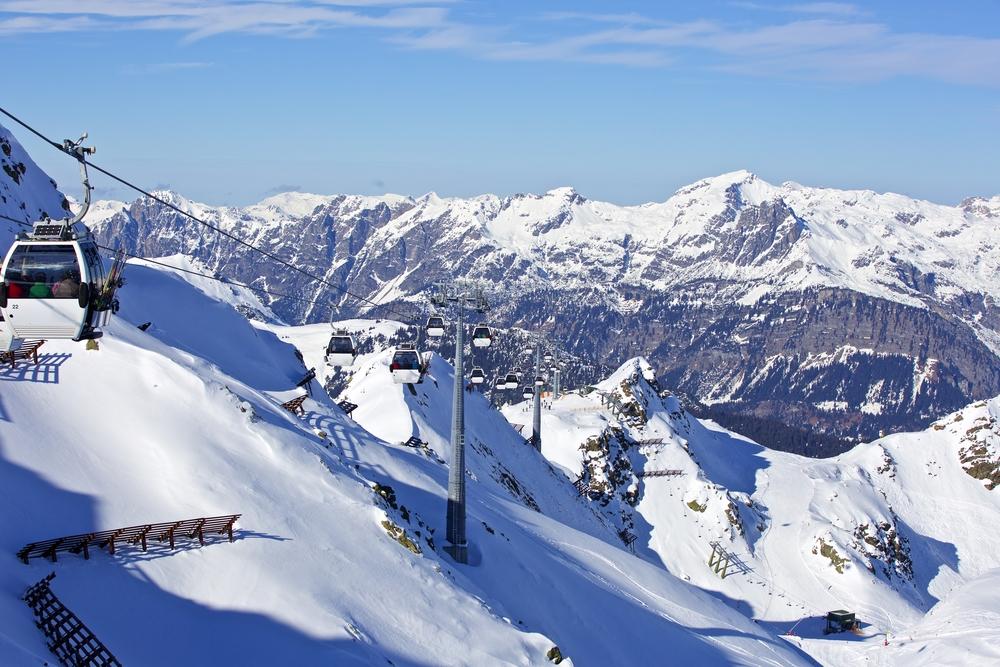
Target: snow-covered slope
point(960, 630)
point(183, 420)
point(887, 529)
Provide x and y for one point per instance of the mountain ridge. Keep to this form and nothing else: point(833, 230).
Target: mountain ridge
point(733, 287)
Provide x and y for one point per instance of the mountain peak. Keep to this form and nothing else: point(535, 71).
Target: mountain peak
point(564, 193)
point(741, 178)
point(296, 204)
point(738, 176)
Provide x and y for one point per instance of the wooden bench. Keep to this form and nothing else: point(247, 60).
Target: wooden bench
point(27, 351)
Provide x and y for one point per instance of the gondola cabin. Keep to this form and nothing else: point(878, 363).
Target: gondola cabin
point(50, 285)
point(539, 381)
point(511, 381)
point(435, 326)
point(342, 349)
point(482, 336)
point(477, 376)
point(501, 383)
point(527, 392)
point(406, 365)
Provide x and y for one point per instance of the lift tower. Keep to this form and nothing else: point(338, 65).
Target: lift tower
point(461, 295)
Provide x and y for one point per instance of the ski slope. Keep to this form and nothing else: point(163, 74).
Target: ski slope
point(184, 420)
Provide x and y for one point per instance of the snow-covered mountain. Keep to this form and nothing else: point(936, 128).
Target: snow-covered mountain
point(887, 529)
point(756, 292)
point(338, 553)
point(791, 311)
point(27, 193)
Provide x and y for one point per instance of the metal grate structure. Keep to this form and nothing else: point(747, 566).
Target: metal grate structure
point(167, 532)
point(69, 639)
point(347, 407)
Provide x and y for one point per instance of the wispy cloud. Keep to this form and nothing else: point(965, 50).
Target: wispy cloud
point(157, 68)
point(631, 18)
point(815, 40)
point(201, 19)
point(18, 25)
point(281, 189)
point(816, 8)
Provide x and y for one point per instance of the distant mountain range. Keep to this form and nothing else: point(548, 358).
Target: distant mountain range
point(804, 317)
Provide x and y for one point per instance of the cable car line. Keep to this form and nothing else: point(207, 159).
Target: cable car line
point(15, 221)
point(221, 279)
point(195, 218)
point(482, 335)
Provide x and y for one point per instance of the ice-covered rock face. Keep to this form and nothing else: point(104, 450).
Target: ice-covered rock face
point(26, 192)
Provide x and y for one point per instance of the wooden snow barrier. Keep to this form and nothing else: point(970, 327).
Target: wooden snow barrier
point(347, 407)
point(628, 539)
point(581, 485)
point(27, 351)
point(70, 640)
point(415, 442)
point(661, 473)
point(295, 405)
point(170, 531)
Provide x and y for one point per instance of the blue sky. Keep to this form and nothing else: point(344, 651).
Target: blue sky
point(227, 102)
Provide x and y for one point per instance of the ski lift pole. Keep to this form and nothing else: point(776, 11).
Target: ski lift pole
point(457, 545)
point(555, 375)
point(536, 425)
point(462, 295)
